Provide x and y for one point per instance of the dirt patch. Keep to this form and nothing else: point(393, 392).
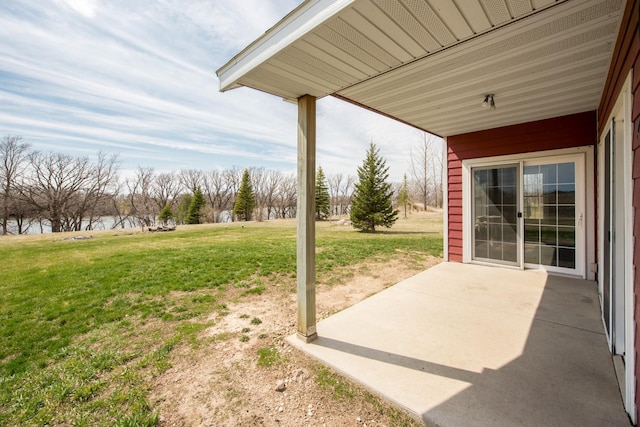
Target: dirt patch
point(224, 382)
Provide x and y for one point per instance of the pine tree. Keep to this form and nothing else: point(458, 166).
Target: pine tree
point(371, 203)
point(165, 215)
point(403, 195)
point(246, 199)
point(195, 207)
point(323, 201)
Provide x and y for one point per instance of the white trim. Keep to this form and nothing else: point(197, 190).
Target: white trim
point(302, 20)
point(445, 200)
point(467, 214)
point(470, 201)
point(586, 239)
point(520, 228)
point(630, 383)
point(600, 207)
point(621, 114)
point(590, 209)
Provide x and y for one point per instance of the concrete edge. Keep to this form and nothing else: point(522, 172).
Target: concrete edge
point(300, 345)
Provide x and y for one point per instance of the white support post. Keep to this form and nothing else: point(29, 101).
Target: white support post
point(306, 239)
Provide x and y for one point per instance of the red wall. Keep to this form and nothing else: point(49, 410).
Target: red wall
point(561, 132)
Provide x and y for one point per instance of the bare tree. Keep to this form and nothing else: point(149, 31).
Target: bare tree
point(191, 179)
point(335, 183)
point(141, 200)
point(121, 209)
point(426, 165)
point(233, 177)
point(13, 156)
point(100, 185)
point(436, 173)
point(347, 192)
point(54, 184)
point(23, 213)
point(420, 170)
point(273, 180)
point(258, 178)
point(341, 189)
point(286, 197)
point(218, 193)
point(165, 189)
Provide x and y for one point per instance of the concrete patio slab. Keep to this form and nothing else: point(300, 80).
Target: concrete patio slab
point(464, 344)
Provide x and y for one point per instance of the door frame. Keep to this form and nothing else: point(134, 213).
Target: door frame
point(519, 261)
point(580, 200)
point(588, 271)
point(622, 134)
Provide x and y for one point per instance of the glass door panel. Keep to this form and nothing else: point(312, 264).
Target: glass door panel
point(495, 214)
point(550, 214)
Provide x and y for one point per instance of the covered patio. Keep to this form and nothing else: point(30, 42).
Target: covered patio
point(493, 347)
point(517, 89)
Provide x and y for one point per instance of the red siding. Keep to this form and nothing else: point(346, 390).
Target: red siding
point(623, 59)
point(561, 132)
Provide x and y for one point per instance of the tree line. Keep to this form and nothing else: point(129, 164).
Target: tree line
point(72, 193)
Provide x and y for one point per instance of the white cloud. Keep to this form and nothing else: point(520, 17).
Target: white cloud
point(84, 7)
point(138, 78)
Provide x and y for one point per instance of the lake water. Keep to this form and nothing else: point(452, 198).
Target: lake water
point(104, 223)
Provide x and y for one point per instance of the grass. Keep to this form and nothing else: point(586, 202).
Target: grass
point(338, 386)
point(85, 324)
point(270, 356)
point(342, 389)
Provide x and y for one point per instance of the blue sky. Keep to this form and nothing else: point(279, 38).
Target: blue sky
point(137, 78)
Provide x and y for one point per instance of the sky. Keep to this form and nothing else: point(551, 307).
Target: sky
point(137, 78)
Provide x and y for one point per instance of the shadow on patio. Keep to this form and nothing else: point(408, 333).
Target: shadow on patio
point(463, 344)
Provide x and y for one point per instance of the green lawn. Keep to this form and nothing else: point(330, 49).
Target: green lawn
point(85, 324)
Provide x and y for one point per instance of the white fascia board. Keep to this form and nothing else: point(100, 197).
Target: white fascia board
point(292, 27)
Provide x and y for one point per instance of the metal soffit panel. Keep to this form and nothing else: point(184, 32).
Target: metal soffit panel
point(430, 62)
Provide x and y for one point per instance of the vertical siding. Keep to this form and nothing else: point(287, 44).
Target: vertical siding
point(561, 132)
point(623, 59)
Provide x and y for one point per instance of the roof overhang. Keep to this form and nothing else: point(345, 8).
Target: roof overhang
point(430, 63)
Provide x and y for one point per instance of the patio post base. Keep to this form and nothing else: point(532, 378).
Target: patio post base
point(307, 338)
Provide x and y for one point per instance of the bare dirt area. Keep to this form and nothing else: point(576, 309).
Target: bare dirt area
point(244, 374)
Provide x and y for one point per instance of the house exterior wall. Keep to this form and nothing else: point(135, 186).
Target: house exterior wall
point(626, 58)
point(561, 132)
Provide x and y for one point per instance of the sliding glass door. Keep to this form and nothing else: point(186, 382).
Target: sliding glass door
point(495, 212)
point(550, 215)
point(530, 214)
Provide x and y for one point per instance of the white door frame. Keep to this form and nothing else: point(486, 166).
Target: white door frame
point(580, 200)
point(622, 138)
point(588, 257)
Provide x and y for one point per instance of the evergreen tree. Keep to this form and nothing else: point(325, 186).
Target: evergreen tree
point(323, 201)
point(403, 195)
point(165, 215)
point(246, 199)
point(195, 207)
point(371, 202)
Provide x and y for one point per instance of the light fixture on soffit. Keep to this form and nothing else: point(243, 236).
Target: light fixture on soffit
point(489, 102)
